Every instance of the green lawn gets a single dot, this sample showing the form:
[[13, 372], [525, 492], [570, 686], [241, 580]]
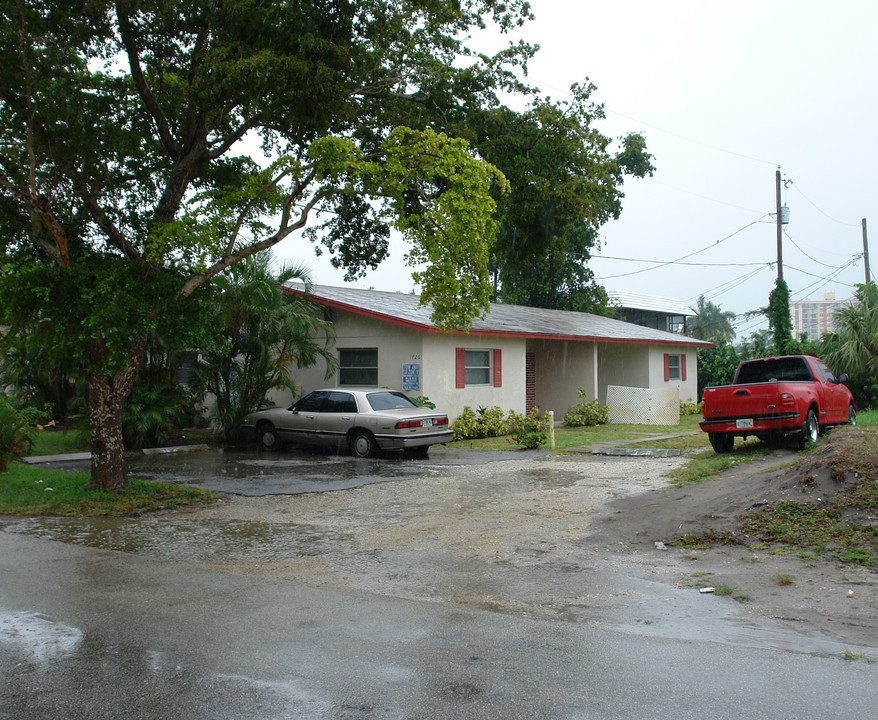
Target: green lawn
[[29, 490]]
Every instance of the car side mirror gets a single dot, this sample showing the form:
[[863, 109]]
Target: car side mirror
[[843, 378]]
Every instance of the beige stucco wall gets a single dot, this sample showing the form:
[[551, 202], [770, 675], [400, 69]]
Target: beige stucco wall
[[396, 345], [625, 364], [438, 373], [561, 368], [689, 387]]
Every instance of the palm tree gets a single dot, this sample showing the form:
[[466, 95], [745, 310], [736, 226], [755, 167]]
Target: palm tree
[[262, 334], [853, 347], [710, 322]]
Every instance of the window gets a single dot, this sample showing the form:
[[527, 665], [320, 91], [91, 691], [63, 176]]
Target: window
[[358, 366], [478, 367], [675, 367]]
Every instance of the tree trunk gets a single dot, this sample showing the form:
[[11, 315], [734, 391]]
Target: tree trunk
[[108, 468], [106, 397]]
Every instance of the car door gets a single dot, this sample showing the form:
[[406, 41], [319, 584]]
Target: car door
[[339, 417], [306, 418]]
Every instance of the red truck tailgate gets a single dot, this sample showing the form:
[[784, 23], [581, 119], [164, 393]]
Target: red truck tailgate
[[746, 406]]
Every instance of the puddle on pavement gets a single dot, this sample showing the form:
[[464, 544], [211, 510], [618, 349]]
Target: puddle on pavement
[[208, 541]]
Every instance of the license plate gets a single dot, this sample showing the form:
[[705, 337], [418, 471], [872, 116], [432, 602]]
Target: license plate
[[426, 423], [744, 424]]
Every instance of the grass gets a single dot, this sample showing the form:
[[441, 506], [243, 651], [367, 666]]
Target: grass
[[26, 490], [832, 527], [58, 442]]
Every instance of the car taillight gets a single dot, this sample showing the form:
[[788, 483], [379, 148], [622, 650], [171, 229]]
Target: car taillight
[[787, 399], [402, 424]]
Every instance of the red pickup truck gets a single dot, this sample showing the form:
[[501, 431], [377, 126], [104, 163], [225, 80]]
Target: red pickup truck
[[774, 396]]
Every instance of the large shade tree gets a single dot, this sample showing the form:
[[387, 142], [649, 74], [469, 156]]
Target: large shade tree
[[566, 182], [124, 186]]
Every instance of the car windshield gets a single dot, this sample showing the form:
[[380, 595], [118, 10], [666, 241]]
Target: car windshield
[[388, 400]]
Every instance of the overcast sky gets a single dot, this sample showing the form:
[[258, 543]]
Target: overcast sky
[[724, 94]]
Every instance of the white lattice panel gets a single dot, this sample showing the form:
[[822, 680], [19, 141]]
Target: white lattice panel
[[643, 406]]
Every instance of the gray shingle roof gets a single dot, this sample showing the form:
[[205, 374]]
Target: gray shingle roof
[[513, 320]]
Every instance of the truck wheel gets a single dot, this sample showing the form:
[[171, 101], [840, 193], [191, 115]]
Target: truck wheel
[[852, 415], [721, 442], [810, 430]]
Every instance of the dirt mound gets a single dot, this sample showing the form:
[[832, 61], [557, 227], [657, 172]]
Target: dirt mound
[[716, 507]]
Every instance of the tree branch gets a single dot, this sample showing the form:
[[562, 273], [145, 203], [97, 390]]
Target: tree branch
[[173, 148], [284, 229]]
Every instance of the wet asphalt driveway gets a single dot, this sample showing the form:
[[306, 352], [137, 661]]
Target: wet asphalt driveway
[[254, 473]]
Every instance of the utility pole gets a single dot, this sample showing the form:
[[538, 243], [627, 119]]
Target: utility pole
[[866, 251], [779, 227]]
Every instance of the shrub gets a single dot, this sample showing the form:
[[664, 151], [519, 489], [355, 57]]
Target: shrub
[[530, 431], [586, 413], [690, 408], [18, 431], [485, 422]]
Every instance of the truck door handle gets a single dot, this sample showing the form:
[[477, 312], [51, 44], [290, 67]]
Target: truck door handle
[[742, 392]]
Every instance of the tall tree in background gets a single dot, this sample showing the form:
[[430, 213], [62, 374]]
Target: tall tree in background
[[780, 322], [565, 184], [125, 188], [710, 322]]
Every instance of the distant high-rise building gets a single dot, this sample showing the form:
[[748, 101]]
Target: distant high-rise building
[[815, 317]]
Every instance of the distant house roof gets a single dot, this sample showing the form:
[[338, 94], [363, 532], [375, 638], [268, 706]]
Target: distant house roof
[[653, 303], [502, 320]]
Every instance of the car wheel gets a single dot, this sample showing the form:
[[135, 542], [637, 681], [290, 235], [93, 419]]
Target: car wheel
[[721, 442], [810, 430], [363, 444], [268, 437], [852, 415]]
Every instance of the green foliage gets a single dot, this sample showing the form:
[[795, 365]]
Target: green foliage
[[688, 407], [585, 414], [151, 413], [531, 431], [39, 380], [710, 323], [17, 431], [717, 364], [486, 422], [422, 401], [260, 334], [780, 321], [853, 347], [565, 184]]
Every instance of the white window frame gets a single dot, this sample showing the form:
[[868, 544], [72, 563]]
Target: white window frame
[[487, 369]]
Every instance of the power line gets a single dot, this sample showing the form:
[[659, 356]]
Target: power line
[[812, 259], [677, 261], [816, 207]]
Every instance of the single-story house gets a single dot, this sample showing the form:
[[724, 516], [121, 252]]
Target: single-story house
[[515, 357]]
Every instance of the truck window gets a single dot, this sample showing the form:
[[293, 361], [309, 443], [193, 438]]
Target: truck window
[[788, 369]]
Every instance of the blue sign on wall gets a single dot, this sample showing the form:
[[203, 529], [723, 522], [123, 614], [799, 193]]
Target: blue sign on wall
[[411, 376]]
